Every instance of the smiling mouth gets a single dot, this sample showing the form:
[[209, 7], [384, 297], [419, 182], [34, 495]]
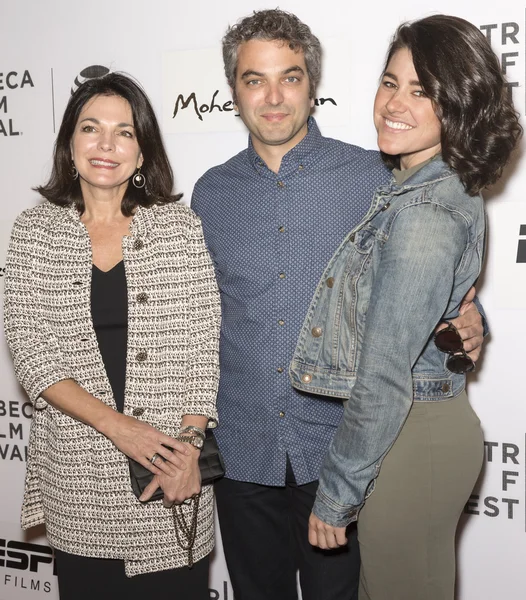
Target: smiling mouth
[[398, 125], [274, 116], [103, 163]]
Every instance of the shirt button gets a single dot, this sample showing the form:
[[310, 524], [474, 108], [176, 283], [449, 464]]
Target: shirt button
[[141, 356], [281, 229], [281, 413], [281, 184], [317, 331], [300, 168], [330, 282], [282, 275], [279, 369], [306, 378], [281, 322], [137, 412], [142, 297], [445, 388], [138, 244]]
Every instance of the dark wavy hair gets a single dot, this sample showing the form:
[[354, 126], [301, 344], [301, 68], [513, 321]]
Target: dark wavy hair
[[460, 73], [278, 25], [63, 190]]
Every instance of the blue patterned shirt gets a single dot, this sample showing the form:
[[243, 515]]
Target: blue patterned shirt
[[270, 236]]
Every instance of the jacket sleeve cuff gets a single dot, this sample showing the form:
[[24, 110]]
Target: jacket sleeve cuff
[[485, 325], [333, 514]]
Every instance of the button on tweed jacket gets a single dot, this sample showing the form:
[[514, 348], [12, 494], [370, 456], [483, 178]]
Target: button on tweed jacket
[[77, 482]]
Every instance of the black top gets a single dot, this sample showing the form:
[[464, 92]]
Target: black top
[[109, 311]]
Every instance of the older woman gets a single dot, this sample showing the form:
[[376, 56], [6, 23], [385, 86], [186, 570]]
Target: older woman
[[112, 316], [409, 448]]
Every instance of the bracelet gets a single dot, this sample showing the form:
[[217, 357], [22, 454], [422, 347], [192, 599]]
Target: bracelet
[[192, 429]]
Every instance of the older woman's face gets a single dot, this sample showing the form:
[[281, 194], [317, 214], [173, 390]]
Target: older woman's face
[[104, 146], [403, 115]]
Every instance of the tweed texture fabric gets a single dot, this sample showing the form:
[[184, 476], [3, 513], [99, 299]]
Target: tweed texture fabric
[[77, 482]]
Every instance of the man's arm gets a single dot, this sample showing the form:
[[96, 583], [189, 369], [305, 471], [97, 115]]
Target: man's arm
[[471, 324]]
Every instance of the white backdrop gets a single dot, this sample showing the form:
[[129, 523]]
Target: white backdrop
[[173, 49]]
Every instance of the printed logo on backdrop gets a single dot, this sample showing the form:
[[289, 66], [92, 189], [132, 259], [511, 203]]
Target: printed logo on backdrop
[[12, 84], [507, 39], [521, 247], [501, 497], [15, 418], [222, 594], [506, 264], [91, 72], [197, 99], [27, 566]]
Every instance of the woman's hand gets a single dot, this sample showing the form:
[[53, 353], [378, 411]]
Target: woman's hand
[[181, 485], [142, 442], [325, 536]]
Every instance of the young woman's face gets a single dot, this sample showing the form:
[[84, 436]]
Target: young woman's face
[[403, 115]]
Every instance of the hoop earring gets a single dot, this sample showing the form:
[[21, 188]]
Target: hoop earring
[[139, 180], [74, 172]]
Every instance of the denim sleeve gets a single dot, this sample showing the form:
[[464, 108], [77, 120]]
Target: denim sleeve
[[411, 289], [482, 312]]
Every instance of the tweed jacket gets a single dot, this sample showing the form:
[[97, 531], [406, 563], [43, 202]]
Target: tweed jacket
[[77, 482]]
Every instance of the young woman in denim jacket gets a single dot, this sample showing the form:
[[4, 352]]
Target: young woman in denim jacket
[[446, 125]]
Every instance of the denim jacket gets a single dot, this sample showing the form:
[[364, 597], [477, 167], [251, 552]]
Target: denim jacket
[[368, 333]]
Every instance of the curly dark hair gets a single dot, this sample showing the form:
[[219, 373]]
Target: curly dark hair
[[460, 73], [63, 190], [276, 25]]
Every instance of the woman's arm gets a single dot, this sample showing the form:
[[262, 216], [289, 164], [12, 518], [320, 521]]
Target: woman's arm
[[37, 358], [202, 369], [135, 438], [204, 314], [411, 290]]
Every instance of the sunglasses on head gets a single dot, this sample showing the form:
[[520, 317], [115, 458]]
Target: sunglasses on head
[[448, 340]]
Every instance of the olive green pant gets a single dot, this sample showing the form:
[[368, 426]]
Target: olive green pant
[[407, 527]]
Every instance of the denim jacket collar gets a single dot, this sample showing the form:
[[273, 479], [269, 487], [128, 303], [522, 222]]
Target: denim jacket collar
[[433, 172]]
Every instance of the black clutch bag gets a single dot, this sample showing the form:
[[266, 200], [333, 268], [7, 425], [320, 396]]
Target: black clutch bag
[[211, 466]]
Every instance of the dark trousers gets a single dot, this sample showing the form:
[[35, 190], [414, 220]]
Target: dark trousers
[[83, 578], [265, 538]]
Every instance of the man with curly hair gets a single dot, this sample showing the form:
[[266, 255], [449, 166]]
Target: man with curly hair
[[273, 216]]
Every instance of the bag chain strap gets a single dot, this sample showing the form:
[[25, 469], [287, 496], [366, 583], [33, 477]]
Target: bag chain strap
[[183, 530]]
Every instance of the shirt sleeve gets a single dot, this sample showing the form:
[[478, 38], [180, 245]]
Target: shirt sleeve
[[410, 292], [36, 353]]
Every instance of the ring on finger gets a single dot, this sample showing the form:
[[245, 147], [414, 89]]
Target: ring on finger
[[154, 458]]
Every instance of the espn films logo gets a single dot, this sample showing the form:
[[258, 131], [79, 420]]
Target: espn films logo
[[26, 560]]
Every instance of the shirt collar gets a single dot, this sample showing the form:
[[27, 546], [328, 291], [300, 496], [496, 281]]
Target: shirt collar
[[301, 154]]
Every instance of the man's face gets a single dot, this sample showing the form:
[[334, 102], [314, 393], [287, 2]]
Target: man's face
[[272, 93]]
